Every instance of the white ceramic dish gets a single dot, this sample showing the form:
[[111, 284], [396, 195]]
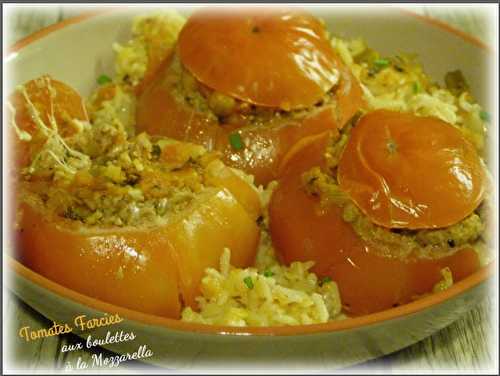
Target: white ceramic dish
[[79, 50]]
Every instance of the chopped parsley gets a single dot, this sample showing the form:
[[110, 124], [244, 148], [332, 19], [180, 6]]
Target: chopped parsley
[[381, 63], [416, 87], [485, 116], [324, 280], [103, 79], [268, 273], [236, 141], [248, 281]]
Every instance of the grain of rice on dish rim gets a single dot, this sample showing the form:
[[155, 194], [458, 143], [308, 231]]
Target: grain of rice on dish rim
[[270, 293]]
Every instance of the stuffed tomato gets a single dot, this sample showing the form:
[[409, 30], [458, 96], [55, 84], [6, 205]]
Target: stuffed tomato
[[360, 206], [250, 85], [132, 221]]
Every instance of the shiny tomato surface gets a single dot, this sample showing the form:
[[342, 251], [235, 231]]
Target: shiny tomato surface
[[406, 171], [154, 268], [159, 112], [302, 229], [224, 54], [277, 57], [51, 99]]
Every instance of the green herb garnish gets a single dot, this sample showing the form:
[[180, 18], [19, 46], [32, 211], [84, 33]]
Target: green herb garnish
[[381, 63], [325, 280], [485, 116], [236, 141], [268, 273], [103, 79], [416, 87], [248, 281]]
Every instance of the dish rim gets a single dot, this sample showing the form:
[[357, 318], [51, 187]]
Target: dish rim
[[475, 279]]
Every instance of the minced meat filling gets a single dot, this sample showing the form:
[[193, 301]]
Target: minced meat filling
[[323, 184], [101, 176], [222, 108], [137, 185], [463, 233]]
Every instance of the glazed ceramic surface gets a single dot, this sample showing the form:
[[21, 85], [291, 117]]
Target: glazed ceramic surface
[[320, 351], [78, 52]]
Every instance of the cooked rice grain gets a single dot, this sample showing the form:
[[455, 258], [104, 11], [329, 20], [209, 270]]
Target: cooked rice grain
[[132, 57], [279, 295]]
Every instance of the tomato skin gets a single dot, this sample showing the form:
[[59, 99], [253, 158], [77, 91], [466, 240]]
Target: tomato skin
[[265, 146], [405, 171], [156, 269], [160, 113], [278, 58], [142, 269], [218, 174], [198, 241], [127, 268], [302, 230], [66, 104]]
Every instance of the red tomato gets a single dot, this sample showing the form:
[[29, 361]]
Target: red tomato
[[264, 146], [303, 230], [280, 58], [150, 269], [405, 171], [48, 96], [277, 58]]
